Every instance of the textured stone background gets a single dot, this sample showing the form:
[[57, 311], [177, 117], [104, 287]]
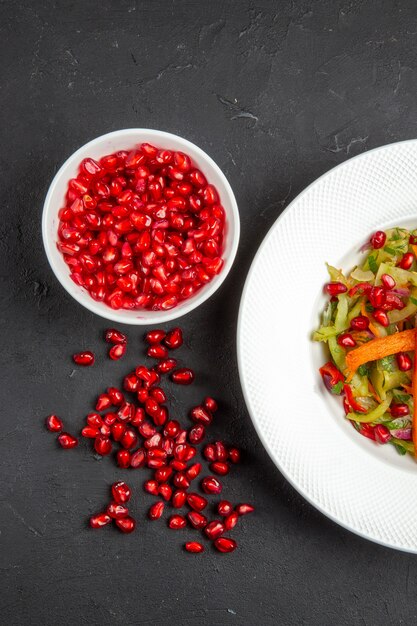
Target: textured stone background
[[277, 93]]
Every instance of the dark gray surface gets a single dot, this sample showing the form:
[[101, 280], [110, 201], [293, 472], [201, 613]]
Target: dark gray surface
[[277, 93]]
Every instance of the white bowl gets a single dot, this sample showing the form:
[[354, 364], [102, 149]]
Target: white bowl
[[125, 140]]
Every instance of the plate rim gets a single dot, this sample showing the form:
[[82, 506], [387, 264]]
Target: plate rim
[[251, 411]]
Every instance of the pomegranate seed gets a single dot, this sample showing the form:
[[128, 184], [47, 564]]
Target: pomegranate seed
[[147, 430], [361, 322], [174, 339], [152, 487], [116, 510], [120, 492], [138, 458], [103, 402], [181, 437], [117, 351], [158, 394], [193, 471], [84, 358], [382, 434], [388, 281], [157, 352], [196, 502], [115, 336], [346, 340], [54, 423], [165, 491], [378, 239], [194, 547], [67, 441], [115, 396], [335, 289], [142, 395], [244, 509], [224, 508], [176, 522], [129, 439], [172, 428], [181, 481], [407, 261], [221, 452], [109, 420], [155, 336], [231, 520], [163, 474], [156, 511], [89, 432], [214, 529], [182, 376], [377, 296], [100, 520], [220, 468], [178, 466], [210, 484], [399, 410], [210, 452], [197, 520], [201, 415], [178, 499], [126, 524], [381, 317], [131, 383], [94, 420], [167, 365], [210, 404], [102, 445], [404, 362], [196, 434], [223, 544]]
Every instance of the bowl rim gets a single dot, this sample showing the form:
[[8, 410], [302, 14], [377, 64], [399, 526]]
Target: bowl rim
[[120, 315]]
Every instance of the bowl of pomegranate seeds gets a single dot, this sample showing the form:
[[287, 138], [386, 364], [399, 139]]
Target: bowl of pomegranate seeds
[[140, 226]]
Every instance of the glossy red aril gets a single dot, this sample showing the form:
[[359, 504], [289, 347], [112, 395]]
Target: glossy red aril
[[399, 410], [117, 351], [223, 544], [196, 434], [166, 365], [115, 395], [138, 458], [377, 296], [178, 499], [378, 239], [114, 336], [209, 452], [172, 428], [129, 439], [244, 509], [197, 520], [117, 510], [360, 322], [382, 434], [183, 376], [194, 547], [210, 484], [201, 415], [214, 529], [335, 288], [407, 261], [346, 340], [67, 441], [388, 281], [54, 423], [404, 362], [126, 524], [210, 404], [156, 511], [120, 492], [100, 520], [165, 490], [103, 402], [181, 481], [224, 508], [196, 502], [220, 468], [84, 358], [381, 317], [154, 336], [152, 487], [157, 351], [102, 445], [177, 522], [90, 432], [193, 471], [231, 520], [174, 338]]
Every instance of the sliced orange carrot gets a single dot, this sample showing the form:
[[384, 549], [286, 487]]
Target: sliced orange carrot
[[378, 348], [414, 427], [407, 389], [414, 249], [372, 327]]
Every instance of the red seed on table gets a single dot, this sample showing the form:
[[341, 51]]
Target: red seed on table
[[223, 544], [178, 498], [194, 547], [209, 452], [108, 420], [234, 455], [220, 468], [196, 434], [90, 432], [117, 431], [221, 452], [224, 508], [94, 420], [102, 445], [404, 362], [174, 339], [197, 520], [126, 524], [335, 288], [210, 404], [166, 365], [193, 471], [178, 466], [151, 486], [200, 414], [165, 490], [115, 395], [382, 434], [378, 239], [129, 439], [67, 441], [138, 458], [120, 492], [154, 336], [210, 484], [116, 510], [114, 336], [100, 520], [177, 522], [126, 412], [103, 402], [244, 509], [158, 394], [181, 481], [214, 529], [162, 474], [117, 351], [84, 358], [157, 352], [196, 502], [172, 428], [182, 376], [156, 511], [54, 423]]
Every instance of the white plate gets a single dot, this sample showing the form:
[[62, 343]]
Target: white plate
[[365, 487]]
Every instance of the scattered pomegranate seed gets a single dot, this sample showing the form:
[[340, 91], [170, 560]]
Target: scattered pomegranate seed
[[154, 336], [388, 281], [182, 376], [335, 289], [174, 339], [167, 365], [84, 358], [196, 434], [224, 508], [103, 402], [162, 474], [156, 510], [193, 471], [117, 351], [126, 524], [115, 336], [209, 452], [178, 499], [346, 340], [381, 317], [361, 322], [100, 520], [152, 487], [244, 509], [231, 520], [382, 434], [197, 520], [210, 484], [90, 432], [116, 510], [200, 414], [210, 404], [115, 396], [157, 352], [214, 529], [196, 502], [377, 296], [120, 492], [399, 410], [67, 441], [165, 490], [138, 458], [54, 423], [176, 522], [223, 544], [220, 468], [404, 362], [378, 239], [407, 261], [194, 547], [102, 445]]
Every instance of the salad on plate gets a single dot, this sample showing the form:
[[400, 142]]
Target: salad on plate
[[369, 326]]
